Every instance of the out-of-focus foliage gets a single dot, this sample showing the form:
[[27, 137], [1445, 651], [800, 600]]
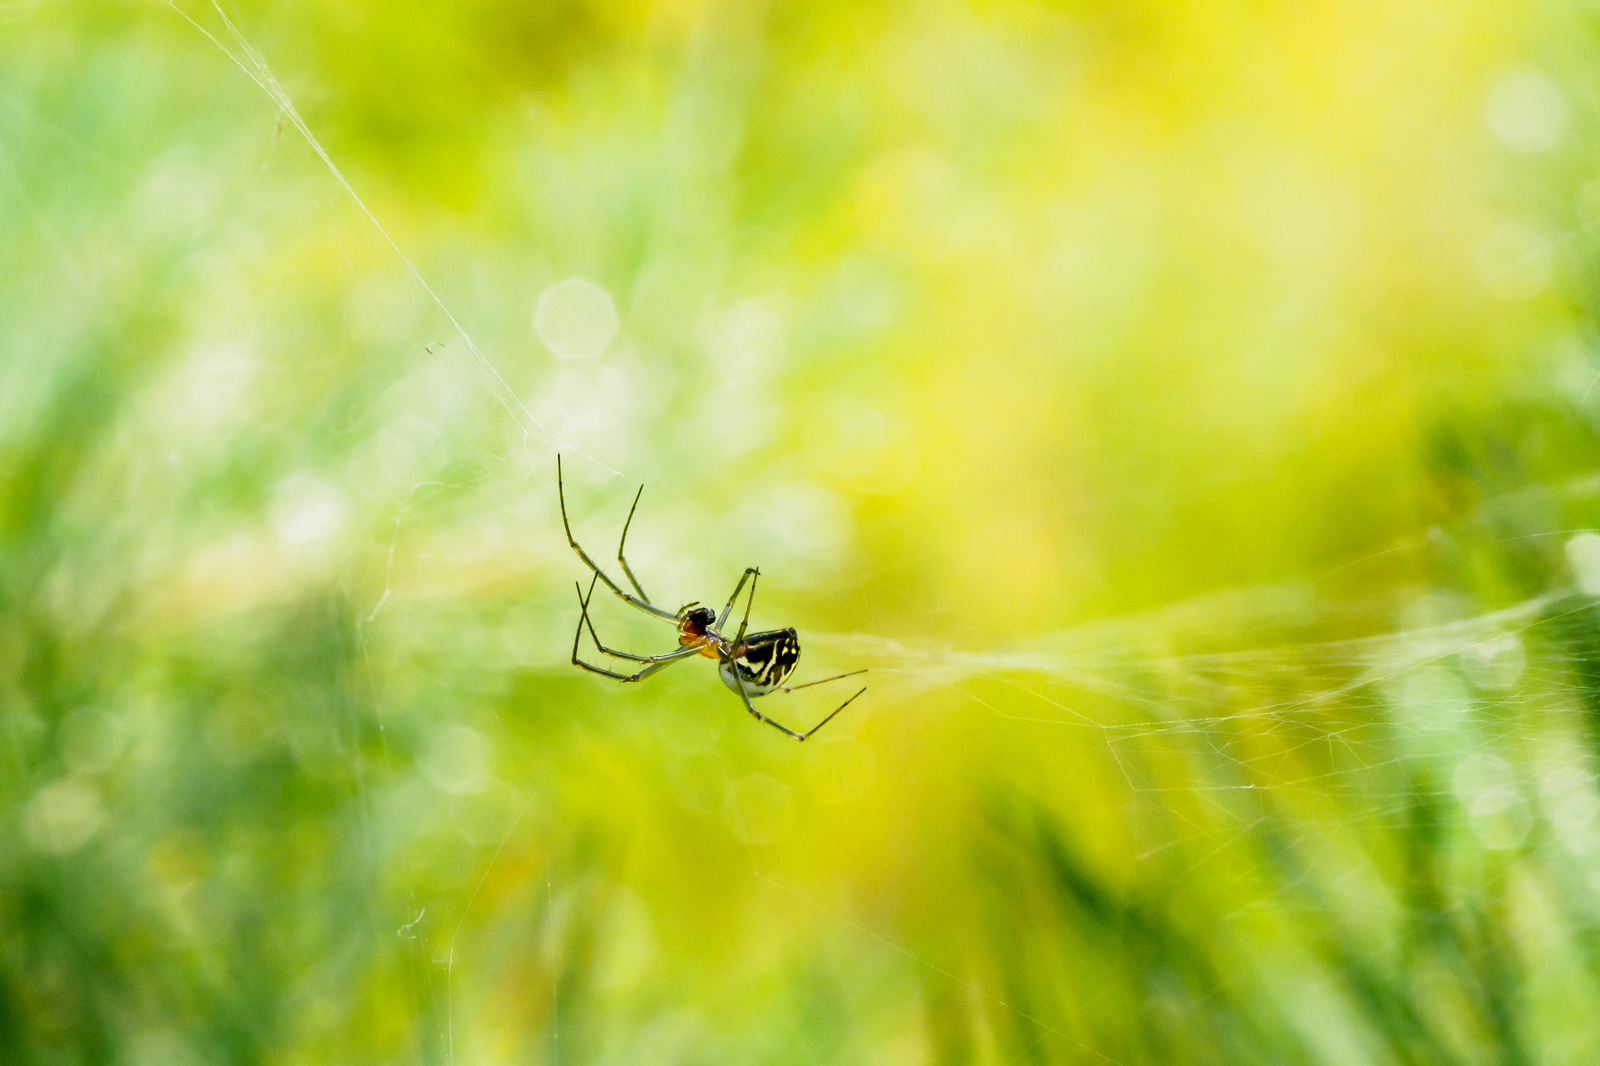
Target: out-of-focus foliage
[[1187, 411]]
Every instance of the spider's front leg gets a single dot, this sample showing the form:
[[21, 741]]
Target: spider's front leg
[[652, 663], [751, 574], [641, 601], [626, 569]]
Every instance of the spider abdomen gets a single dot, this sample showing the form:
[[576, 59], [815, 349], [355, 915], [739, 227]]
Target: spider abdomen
[[750, 665], [764, 662]]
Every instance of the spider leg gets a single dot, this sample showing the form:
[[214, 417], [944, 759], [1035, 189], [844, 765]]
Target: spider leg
[[653, 663], [753, 574], [749, 602], [640, 676], [745, 696], [634, 601], [836, 710], [824, 681], [626, 569], [726, 611], [586, 621]]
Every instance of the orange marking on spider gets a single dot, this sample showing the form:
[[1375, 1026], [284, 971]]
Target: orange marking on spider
[[751, 665]]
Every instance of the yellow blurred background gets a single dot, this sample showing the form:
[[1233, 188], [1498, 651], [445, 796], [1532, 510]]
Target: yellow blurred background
[[1186, 412]]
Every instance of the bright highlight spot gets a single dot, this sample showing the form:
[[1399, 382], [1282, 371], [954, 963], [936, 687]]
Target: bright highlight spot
[[1570, 799], [307, 509], [747, 338], [1495, 664], [1486, 786], [1583, 555], [486, 816], [575, 318], [1527, 111], [458, 761], [61, 817], [177, 196], [212, 384]]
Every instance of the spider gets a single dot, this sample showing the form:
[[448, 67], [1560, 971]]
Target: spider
[[751, 665]]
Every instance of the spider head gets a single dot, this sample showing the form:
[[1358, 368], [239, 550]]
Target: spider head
[[694, 621]]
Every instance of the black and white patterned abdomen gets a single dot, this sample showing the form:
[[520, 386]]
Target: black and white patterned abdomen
[[768, 660]]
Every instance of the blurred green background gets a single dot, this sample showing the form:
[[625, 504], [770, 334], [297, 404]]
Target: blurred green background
[[1189, 413]]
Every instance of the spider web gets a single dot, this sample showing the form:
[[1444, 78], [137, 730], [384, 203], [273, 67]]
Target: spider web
[[1396, 831]]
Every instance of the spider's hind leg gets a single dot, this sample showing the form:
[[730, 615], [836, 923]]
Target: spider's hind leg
[[836, 710], [745, 696], [824, 681]]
